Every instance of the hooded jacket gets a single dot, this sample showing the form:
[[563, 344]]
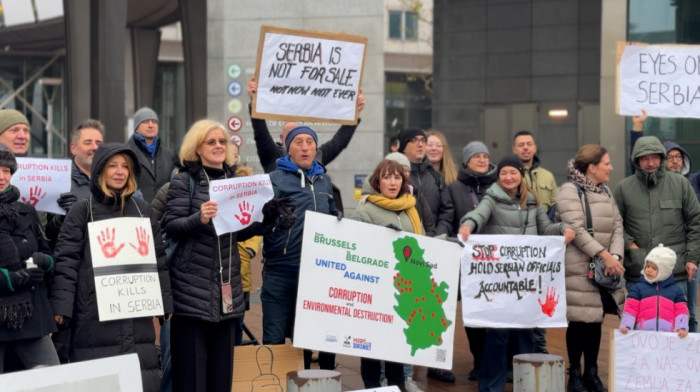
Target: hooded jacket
[[583, 299], [461, 191], [658, 207], [311, 190], [155, 171], [541, 182], [497, 213], [428, 184], [659, 306], [73, 289]]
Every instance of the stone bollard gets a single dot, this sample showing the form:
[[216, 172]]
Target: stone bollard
[[538, 373], [313, 380]]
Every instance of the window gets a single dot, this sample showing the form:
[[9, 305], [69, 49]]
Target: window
[[403, 25]]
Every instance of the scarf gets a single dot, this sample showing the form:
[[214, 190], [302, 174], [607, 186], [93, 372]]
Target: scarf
[[16, 306], [404, 202], [150, 148]]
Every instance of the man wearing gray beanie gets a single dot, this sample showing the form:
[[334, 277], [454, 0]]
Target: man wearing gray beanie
[[157, 162], [14, 131]]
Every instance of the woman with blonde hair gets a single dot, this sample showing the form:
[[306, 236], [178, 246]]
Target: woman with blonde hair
[[206, 269], [113, 184], [439, 155]]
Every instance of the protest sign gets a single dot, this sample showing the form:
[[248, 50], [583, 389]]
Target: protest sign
[[370, 291], [308, 75], [240, 201], [120, 373], [382, 389], [662, 79], [264, 367], [41, 181], [126, 277], [513, 281], [654, 361]]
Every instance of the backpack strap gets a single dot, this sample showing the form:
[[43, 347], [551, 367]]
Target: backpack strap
[[589, 218]]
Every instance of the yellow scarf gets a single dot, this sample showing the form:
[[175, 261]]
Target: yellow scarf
[[404, 202]]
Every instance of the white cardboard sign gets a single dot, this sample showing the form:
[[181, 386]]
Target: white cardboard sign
[[513, 281], [240, 201], [126, 272], [41, 181], [370, 291]]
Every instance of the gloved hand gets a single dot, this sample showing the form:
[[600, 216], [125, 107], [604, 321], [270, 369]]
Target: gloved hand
[[66, 200], [339, 215], [282, 207], [43, 261], [286, 223], [393, 226], [19, 278], [36, 275]]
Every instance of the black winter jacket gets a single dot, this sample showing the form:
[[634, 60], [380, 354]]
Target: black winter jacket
[[461, 191], [428, 184], [155, 172], [196, 282], [73, 290]]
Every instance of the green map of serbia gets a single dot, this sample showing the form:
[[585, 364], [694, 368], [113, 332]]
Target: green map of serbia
[[419, 297]]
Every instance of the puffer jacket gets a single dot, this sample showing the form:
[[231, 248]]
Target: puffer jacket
[[429, 185], [194, 273], [312, 191], [583, 299], [497, 213], [73, 289], [461, 191], [541, 182], [658, 306], [155, 171], [658, 208], [371, 213]]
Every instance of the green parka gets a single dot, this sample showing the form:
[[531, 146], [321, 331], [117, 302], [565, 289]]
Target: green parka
[[658, 208]]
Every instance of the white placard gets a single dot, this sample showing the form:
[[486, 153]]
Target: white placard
[[114, 374], [126, 272], [513, 281], [655, 361], [308, 75], [392, 388], [240, 201], [662, 79], [370, 291], [41, 181]]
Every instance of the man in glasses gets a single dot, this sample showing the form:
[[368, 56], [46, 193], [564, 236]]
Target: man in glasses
[[157, 162]]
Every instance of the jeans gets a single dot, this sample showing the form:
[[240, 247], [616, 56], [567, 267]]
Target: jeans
[[494, 363], [32, 352], [166, 380]]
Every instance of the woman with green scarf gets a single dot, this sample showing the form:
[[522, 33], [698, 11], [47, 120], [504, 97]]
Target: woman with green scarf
[[387, 201]]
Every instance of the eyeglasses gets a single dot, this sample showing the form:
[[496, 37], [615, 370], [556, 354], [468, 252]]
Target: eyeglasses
[[480, 155], [213, 142], [674, 157], [417, 139], [436, 145]]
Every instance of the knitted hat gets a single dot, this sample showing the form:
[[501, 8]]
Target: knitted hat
[[296, 131], [7, 158], [406, 135], [472, 149], [142, 115], [513, 161], [664, 259], [399, 158], [10, 117]]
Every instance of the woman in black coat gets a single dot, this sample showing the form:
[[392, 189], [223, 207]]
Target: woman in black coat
[[206, 269], [26, 320], [113, 183]]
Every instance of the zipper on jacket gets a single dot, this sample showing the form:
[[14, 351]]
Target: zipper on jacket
[[399, 219], [313, 194], [289, 235], [657, 306]]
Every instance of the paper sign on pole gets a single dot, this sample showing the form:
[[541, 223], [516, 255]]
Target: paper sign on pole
[[308, 75], [41, 181], [126, 272], [513, 281], [369, 291], [654, 361], [240, 201], [662, 79]]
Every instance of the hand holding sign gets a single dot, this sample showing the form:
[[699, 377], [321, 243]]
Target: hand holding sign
[[246, 210], [34, 196], [106, 241], [143, 240], [550, 302]]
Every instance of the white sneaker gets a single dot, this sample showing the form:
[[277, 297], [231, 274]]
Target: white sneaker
[[412, 386]]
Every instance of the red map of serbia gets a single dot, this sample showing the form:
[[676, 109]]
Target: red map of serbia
[[419, 297]]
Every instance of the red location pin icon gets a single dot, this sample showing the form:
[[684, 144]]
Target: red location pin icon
[[406, 252]]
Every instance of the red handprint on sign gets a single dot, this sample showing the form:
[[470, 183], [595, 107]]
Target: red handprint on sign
[[246, 211], [550, 302], [34, 196], [106, 241], [143, 239]]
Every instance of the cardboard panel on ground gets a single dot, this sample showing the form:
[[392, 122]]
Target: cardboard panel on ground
[[264, 367]]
